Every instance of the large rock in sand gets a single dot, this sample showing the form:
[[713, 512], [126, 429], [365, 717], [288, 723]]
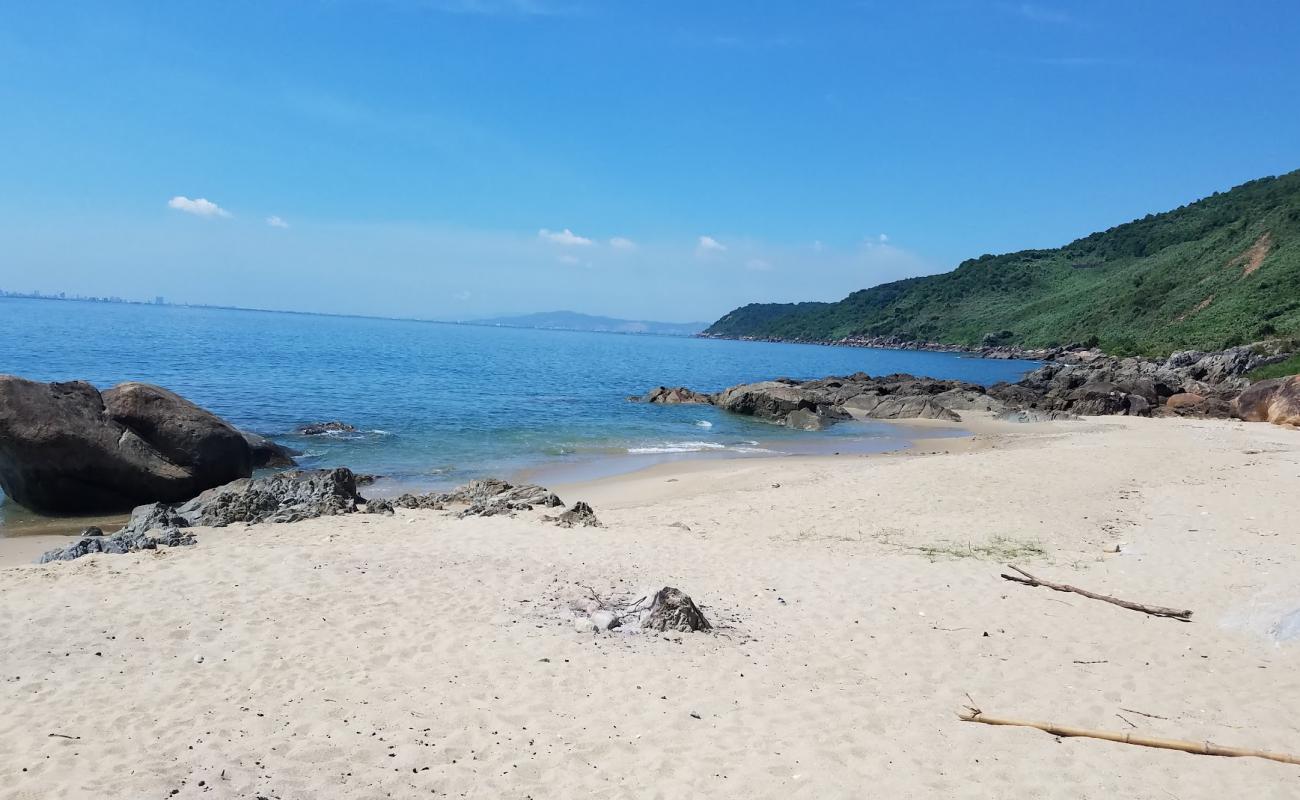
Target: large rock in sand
[[61, 452], [1276, 400], [674, 610], [210, 448]]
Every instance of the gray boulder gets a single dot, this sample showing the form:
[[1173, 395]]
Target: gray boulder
[[283, 497]]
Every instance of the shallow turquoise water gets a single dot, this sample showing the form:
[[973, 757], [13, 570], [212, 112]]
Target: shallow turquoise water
[[436, 403]]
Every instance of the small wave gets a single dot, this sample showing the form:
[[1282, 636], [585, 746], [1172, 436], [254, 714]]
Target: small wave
[[754, 450], [703, 423], [379, 432], [676, 447]]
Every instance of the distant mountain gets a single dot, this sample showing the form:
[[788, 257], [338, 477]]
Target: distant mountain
[[1215, 273], [573, 321]]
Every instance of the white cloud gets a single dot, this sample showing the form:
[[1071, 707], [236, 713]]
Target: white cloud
[[883, 238], [568, 259], [758, 265], [199, 207], [817, 246], [620, 243], [565, 237], [707, 244], [276, 222]]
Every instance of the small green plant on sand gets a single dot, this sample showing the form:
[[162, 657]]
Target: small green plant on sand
[[998, 548]]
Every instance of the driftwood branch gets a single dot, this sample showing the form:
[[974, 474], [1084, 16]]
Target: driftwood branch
[[1155, 611], [1198, 748]]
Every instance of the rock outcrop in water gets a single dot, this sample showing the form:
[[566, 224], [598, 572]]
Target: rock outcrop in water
[[1078, 383], [322, 428], [66, 448], [813, 405]]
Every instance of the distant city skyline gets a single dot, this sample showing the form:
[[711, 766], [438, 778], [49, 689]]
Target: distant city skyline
[[669, 161]]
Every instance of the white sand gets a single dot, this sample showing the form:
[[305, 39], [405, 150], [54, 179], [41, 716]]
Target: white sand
[[403, 657]]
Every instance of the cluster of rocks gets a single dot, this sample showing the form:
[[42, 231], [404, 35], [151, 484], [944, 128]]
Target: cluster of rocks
[[813, 405], [1188, 383], [93, 540], [1078, 383], [67, 448], [490, 497], [668, 609], [306, 494], [284, 497]]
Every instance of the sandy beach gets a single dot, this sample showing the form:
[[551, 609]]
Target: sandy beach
[[857, 601]]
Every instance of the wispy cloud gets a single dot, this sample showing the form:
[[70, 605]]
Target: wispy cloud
[[568, 259], [199, 207], [621, 243], [493, 8], [1039, 13], [276, 222], [758, 265], [735, 41], [707, 245], [565, 237]]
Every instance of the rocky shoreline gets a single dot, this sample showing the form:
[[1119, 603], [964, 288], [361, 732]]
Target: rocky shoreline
[[1079, 383]]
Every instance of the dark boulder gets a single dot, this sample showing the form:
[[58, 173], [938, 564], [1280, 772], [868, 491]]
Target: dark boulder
[[210, 448], [674, 610], [61, 453], [580, 515]]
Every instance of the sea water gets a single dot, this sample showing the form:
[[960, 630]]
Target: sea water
[[437, 403]]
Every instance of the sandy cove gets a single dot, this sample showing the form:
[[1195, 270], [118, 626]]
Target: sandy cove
[[858, 603]]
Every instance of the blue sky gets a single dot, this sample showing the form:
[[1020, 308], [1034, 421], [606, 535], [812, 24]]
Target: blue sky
[[670, 160]]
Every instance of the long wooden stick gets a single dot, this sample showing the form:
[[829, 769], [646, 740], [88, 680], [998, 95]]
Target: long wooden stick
[[1156, 611], [1199, 748]]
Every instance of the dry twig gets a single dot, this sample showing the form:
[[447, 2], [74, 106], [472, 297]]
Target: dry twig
[[1182, 615], [973, 714]]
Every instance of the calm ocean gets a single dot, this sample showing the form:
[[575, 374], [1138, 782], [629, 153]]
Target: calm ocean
[[436, 403]]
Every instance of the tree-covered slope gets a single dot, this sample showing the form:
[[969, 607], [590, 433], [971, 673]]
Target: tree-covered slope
[[1218, 272]]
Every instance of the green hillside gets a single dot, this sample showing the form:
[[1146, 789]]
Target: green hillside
[[1222, 271]]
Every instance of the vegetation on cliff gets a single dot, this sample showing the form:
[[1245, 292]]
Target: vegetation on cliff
[[1218, 272]]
